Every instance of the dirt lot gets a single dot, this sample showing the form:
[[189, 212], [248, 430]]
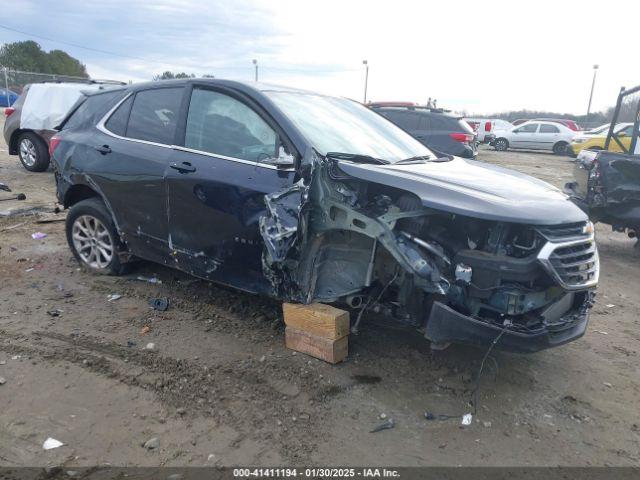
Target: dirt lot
[[220, 388]]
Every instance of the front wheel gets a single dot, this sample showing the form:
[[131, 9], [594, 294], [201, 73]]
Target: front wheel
[[560, 148], [93, 239], [501, 144], [33, 152]]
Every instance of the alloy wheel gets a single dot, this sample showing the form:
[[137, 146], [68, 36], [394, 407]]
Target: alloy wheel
[[92, 241], [28, 152]]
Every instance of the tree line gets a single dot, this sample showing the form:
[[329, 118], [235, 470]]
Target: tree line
[[28, 56]]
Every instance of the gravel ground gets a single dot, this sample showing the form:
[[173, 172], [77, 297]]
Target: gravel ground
[[219, 388]]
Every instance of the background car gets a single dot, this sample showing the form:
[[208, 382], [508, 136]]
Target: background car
[[567, 123], [433, 127], [535, 135], [597, 141], [485, 127], [31, 120], [7, 97]]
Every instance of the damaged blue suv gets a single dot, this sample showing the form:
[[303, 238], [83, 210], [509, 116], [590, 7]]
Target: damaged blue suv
[[313, 198]]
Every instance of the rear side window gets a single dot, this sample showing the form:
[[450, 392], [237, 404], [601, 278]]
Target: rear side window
[[117, 122], [92, 109], [154, 114], [549, 129], [405, 120], [442, 122]]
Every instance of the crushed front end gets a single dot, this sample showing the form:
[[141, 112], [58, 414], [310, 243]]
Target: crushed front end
[[458, 279]]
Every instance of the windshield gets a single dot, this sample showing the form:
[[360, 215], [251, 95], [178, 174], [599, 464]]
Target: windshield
[[334, 124]]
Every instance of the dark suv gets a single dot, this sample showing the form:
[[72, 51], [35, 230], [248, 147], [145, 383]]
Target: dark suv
[[312, 198], [435, 128]]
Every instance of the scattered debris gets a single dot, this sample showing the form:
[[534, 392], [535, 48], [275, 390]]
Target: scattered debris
[[146, 329], [161, 304], [211, 458], [607, 384], [181, 410], [466, 419], [20, 196], [131, 343], [149, 279], [3, 380], [150, 346], [601, 332], [38, 235], [50, 443], [55, 312], [486, 424], [152, 443], [17, 225], [610, 305], [383, 416], [389, 424], [113, 297]]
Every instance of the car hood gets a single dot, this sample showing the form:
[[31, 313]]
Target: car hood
[[474, 189]]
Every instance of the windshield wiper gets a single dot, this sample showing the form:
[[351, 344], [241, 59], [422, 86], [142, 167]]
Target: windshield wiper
[[356, 157], [422, 159], [416, 159]]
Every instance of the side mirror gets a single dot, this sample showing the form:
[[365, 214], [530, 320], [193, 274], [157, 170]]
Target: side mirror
[[284, 159]]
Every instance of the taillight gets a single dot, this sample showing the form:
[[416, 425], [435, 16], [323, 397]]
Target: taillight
[[53, 143], [487, 127], [462, 137], [8, 111]]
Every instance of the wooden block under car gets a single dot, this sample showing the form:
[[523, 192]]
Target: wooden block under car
[[317, 319], [332, 351]]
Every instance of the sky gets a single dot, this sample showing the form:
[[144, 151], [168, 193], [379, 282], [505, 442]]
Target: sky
[[479, 56]]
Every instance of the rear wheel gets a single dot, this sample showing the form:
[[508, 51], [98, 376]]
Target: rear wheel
[[93, 238], [33, 152], [501, 144], [560, 148]]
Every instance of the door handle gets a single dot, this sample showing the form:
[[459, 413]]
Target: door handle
[[103, 149], [184, 167]]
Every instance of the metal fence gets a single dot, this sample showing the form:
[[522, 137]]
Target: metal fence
[[12, 82]]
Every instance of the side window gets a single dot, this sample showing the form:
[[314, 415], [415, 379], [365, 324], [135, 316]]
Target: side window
[[626, 131], [528, 128], [405, 120], [92, 109], [117, 122], [425, 123], [154, 114], [549, 129], [439, 122], [220, 124]]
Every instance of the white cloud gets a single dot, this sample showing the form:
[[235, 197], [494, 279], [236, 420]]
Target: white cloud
[[479, 56]]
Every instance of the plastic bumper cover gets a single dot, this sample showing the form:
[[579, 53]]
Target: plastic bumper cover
[[445, 325]]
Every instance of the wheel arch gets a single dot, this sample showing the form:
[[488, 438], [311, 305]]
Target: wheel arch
[[78, 192], [15, 136]]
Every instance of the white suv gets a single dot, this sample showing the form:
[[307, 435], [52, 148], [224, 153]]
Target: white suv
[[535, 135]]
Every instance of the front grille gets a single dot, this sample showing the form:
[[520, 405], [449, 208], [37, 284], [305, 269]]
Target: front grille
[[565, 231], [576, 264]]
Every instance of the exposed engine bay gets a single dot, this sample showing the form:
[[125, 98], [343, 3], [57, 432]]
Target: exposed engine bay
[[334, 238]]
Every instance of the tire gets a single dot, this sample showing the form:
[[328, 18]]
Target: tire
[[93, 239], [501, 144], [33, 152], [560, 148]]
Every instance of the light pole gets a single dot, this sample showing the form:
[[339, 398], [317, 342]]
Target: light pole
[[255, 63], [593, 84], [366, 78]]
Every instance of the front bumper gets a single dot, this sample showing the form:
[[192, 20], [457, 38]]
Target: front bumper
[[446, 325]]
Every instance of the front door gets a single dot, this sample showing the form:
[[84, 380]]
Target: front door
[[524, 136], [216, 184]]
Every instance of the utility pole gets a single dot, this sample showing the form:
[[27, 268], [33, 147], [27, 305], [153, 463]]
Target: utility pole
[[255, 63], [593, 84], [366, 78]]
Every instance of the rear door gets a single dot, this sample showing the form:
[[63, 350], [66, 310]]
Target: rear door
[[548, 135], [216, 182], [133, 149]]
